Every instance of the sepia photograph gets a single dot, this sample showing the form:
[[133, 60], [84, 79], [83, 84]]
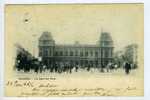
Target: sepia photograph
[[74, 50]]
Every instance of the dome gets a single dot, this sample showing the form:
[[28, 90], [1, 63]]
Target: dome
[[105, 36], [46, 36], [106, 40]]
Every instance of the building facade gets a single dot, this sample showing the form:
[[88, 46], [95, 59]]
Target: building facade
[[131, 54], [76, 54]]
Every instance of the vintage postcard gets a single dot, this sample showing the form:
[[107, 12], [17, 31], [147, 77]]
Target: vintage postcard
[[72, 50]]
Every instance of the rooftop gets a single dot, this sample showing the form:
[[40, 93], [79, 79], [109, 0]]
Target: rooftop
[[46, 36]]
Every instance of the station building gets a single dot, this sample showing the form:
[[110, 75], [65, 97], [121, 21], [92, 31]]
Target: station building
[[77, 54]]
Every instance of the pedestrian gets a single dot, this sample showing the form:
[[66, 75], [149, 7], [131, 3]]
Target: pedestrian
[[76, 67], [127, 68], [108, 66], [102, 68], [88, 67]]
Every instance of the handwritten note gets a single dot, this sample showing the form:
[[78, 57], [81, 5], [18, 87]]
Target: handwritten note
[[51, 88]]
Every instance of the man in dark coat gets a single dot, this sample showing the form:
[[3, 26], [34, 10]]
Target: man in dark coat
[[102, 68], [127, 68]]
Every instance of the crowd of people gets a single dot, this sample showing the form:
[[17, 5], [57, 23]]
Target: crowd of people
[[26, 62]]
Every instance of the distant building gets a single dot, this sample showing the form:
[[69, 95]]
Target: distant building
[[119, 58], [131, 54], [78, 54]]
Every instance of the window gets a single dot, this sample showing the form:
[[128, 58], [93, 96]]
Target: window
[[81, 54], [45, 52], [66, 53], [96, 54], [106, 53], [61, 53], [86, 53], [45, 42], [40, 52], [76, 53], [56, 53], [91, 53], [50, 52], [71, 53]]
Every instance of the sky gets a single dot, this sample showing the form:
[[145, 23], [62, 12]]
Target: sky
[[75, 22]]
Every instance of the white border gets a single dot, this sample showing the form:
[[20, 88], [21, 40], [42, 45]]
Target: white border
[[146, 46], [70, 1], [146, 50], [2, 47]]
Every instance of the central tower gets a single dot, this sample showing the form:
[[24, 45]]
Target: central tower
[[106, 44], [46, 48]]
